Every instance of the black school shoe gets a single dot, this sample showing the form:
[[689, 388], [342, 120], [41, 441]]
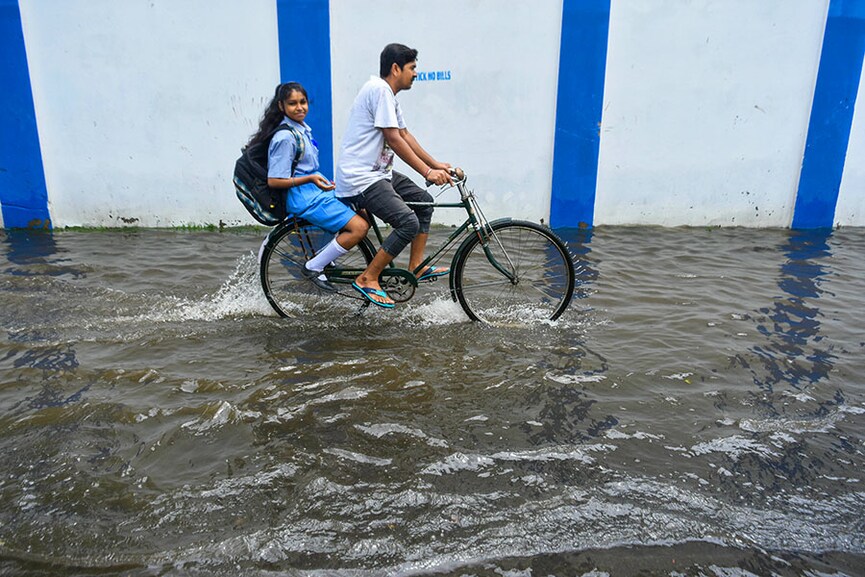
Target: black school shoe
[[313, 275]]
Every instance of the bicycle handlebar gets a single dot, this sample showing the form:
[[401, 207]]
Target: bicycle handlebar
[[457, 173]]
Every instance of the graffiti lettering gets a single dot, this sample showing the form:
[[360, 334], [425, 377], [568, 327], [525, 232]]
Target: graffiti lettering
[[434, 76]]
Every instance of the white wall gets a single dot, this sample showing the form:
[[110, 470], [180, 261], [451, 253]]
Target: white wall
[[850, 210], [495, 116], [706, 110], [142, 105]]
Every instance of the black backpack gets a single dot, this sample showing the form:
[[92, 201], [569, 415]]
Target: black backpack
[[265, 204]]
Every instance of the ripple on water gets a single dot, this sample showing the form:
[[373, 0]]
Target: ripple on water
[[698, 410]]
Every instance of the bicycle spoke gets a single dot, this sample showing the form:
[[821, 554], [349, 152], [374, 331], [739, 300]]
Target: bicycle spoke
[[524, 273], [287, 250], [541, 267]]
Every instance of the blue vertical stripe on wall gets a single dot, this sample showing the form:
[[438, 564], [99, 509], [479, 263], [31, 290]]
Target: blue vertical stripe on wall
[[304, 56], [831, 114], [579, 103], [23, 195]]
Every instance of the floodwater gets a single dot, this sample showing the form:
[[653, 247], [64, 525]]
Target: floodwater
[[698, 410]]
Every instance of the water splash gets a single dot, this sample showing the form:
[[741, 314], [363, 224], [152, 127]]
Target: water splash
[[239, 296]]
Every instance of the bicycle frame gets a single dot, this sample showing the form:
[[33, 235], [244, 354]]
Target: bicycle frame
[[495, 262], [474, 219]]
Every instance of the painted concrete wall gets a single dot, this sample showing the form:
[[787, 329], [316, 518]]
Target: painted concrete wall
[[142, 106], [491, 105], [851, 201], [706, 111], [591, 112]]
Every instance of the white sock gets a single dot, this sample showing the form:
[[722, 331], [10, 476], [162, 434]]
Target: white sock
[[325, 256]]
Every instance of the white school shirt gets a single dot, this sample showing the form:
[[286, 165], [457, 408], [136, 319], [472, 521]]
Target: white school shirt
[[364, 156]]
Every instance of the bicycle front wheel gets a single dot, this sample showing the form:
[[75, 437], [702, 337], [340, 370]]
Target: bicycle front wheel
[[286, 250], [522, 272]]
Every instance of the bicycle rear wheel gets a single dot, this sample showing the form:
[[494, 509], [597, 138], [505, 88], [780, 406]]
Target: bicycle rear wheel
[[285, 251], [536, 280]]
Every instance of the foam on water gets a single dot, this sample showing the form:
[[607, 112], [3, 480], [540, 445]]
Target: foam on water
[[440, 310], [240, 295], [734, 447]]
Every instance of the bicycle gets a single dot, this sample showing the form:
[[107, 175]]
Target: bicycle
[[501, 270]]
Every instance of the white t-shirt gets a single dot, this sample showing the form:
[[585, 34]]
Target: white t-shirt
[[364, 156]]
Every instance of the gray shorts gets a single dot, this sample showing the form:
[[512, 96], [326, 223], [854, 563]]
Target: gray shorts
[[386, 199]]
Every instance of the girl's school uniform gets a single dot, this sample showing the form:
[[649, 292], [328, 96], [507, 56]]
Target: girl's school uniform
[[306, 201]]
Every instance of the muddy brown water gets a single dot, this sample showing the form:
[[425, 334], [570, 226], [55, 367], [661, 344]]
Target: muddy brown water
[[698, 410]]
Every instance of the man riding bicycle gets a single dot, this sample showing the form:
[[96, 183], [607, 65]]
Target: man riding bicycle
[[365, 177]]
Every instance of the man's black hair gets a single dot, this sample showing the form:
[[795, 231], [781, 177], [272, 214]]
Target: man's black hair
[[398, 54]]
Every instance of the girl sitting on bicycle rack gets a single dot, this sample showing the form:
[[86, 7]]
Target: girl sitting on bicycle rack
[[310, 195]]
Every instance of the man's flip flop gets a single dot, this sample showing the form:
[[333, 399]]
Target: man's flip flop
[[367, 291], [433, 272]]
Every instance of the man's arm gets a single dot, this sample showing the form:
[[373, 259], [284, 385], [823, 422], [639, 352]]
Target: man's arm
[[407, 148], [422, 154]]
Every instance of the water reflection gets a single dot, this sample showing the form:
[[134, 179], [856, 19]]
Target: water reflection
[[794, 352], [797, 395], [566, 416], [34, 353], [579, 243], [24, 247], [232, 442]]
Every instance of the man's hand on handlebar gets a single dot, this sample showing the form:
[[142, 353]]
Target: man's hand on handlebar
[[439, 176]]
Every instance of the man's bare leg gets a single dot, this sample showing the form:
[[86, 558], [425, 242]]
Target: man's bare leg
[[369, 277], [418, 246]]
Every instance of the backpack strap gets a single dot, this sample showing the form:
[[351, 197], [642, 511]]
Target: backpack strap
[[300, 145]]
